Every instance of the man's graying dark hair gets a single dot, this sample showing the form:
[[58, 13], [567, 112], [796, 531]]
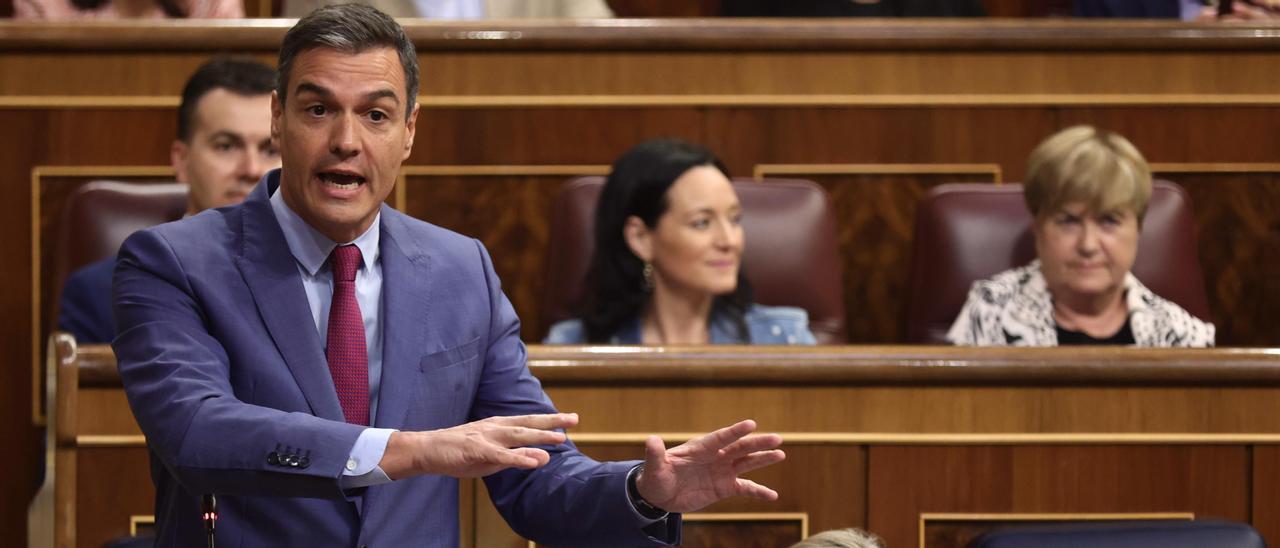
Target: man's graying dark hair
[[348, 28]]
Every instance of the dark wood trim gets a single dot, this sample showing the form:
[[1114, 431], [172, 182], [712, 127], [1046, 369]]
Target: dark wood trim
[[905, 365], [666, 35], [862, 365]]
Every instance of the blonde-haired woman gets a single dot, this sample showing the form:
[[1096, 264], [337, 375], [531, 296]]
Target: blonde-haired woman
[[841, 538], [1087, 191]]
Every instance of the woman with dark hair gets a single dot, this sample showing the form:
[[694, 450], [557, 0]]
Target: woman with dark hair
[[667, 267]]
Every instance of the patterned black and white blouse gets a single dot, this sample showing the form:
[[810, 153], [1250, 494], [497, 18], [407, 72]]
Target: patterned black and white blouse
[[1014, 308]]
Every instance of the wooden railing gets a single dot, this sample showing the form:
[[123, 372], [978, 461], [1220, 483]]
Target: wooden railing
[[922, 445]]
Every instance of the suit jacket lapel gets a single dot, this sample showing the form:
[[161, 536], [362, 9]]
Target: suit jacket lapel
[[271, 273], [406, 278]]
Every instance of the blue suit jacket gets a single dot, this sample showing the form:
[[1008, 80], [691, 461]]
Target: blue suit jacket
[[223, 368], [85, 307]]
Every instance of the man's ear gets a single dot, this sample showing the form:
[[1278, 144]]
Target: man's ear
[[178, 153], [277, 111], [639, 238], [412, 128]]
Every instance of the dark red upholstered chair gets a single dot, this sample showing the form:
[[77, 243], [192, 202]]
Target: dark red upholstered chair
[[791, 255], [99, 215], [968, 232]]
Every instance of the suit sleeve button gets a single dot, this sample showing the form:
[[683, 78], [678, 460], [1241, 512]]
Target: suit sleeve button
[[304, 462], [273, 458]]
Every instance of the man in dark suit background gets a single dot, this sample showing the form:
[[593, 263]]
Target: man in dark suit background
[[222, 149], [327, 366]]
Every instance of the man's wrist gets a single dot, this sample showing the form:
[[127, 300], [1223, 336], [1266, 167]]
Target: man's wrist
[[644, 507], [397, 461]]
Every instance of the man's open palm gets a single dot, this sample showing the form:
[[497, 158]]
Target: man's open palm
[[705, 470]]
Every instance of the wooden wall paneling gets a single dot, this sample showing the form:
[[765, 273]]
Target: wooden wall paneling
[[1265, 497], [467, 489], [259, 8], [1208, 481], [848, 72], [875, 222], [1186, 134], [1125, 427], [923, 409], [999, 135], [1237, 209], [107, 136], [515, 135], [746, 530], [152, 74], [725, 57], [25, 456], [113, 484], [508, 208], [832, 499], [105, 412]]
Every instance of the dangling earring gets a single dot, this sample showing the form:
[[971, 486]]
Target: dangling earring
[[648, 276]]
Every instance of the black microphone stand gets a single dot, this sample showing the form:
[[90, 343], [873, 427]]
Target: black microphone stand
[[209, 510]]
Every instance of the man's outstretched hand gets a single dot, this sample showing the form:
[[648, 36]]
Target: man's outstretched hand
[[476, 449], [705, 470]]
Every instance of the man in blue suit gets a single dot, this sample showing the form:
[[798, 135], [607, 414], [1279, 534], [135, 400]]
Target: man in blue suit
[[327, 366], [222, 149]]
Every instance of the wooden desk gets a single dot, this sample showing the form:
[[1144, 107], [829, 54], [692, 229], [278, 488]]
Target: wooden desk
[[918, 444]]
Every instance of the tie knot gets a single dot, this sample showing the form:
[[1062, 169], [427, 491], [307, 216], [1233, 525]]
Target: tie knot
[[345, 260]]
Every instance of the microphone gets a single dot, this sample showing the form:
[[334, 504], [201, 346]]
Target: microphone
[[209, 512]]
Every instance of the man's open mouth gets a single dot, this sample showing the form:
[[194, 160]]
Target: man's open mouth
[[344, 181]]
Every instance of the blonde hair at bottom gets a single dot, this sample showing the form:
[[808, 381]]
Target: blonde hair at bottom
[[841, 538]]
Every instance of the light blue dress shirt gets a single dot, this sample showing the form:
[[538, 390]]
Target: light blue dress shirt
[[311, 250]]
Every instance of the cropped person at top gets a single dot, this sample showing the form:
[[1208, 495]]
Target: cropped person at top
[[1087, 190], [667, 266]]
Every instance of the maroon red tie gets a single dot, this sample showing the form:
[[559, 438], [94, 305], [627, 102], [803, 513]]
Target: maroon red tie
[[346, 351]]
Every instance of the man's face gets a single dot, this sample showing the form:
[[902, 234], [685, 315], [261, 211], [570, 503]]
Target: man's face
[[229, 149], [342, 134]]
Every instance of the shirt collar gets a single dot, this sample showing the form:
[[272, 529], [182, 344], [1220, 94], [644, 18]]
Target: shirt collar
[[310, 247]]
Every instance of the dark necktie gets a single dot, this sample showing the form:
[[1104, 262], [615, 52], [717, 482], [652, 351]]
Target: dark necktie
[[346, 351]]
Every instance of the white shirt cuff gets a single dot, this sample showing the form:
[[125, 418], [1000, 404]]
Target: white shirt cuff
[[362, 468]]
